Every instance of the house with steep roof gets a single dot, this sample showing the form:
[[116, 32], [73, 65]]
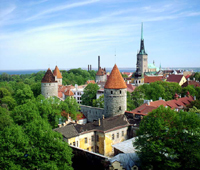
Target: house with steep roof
[[98, 136], [176, 78], [151, 79]]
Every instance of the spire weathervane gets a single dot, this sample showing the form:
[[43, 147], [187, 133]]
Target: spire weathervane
[[142, 31]]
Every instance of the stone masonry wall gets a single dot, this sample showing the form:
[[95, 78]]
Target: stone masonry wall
[[49, 89], [115, 101], [101, 78], [92, 113]]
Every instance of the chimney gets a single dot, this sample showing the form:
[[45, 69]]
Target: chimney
[[98, 62], [99, 122], [176, 96], [195, 98], [188, 94], [90, 67], [194, 78], [188, 79], [160, 98], [148, 102]]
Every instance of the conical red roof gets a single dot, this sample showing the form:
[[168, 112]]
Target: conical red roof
[[57, 73], [48, 77], [115, 80]]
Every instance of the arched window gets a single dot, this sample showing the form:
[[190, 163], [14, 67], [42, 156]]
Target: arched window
[[111, 92]]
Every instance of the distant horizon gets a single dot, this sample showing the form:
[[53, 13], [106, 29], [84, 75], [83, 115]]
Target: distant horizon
[[74, 33]]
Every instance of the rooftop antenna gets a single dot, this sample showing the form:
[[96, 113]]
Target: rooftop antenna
[[142, 31], [115, 56]]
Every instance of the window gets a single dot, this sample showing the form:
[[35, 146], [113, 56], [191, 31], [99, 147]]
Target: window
[[92, 148], [85, 140], [122, 133], [70, 143], [97, 149], [97, 138], [77, 143], [111, 92], [113, 136], [117, 135], [120, 108], [73, 143], [88, 149], [92, 137], [120, 92]]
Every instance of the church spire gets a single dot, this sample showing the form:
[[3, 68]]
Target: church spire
[[142, 50]]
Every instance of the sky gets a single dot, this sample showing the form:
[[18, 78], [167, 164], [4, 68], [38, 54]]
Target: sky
[[38, 34]]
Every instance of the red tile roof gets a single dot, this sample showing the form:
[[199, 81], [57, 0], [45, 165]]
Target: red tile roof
[[150, 79], [60, 94], [115, 80], [57, 73], [69, 93], [130, 88], [90, 81], [48, 77], [174, 78], [173, 104], [101, 72], [191, 82]]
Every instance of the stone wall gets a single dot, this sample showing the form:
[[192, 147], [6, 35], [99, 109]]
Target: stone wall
[[115, 102], [84, 159], [92, 113], [101, 78], [49, 89]]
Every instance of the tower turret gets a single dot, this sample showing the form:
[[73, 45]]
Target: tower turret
[[58, 75], [49, 86], [115, 94]]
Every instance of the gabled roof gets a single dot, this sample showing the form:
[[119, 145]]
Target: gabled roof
[[115, 80], [151, 79], [69, 93], [67, 131], [130, 88], [174, 78], [191, 82], [173, 104], [57, 73], [48, 77], [90, 81]]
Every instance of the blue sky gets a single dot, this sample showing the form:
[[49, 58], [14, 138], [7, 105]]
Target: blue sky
[[37, 34]]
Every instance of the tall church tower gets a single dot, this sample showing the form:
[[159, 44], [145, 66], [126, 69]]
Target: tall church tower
[[115, 94], [142, 63]]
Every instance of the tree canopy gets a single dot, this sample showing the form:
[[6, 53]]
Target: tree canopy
[[89, 95], [168, 139]]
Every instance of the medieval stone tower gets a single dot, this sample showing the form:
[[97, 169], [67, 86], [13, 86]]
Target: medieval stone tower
[[101, 73], [115, 94], [58, 75], [142, 63], [49, 86]]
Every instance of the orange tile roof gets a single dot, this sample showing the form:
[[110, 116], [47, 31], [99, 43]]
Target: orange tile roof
[[90, 81], [57, 73], [69, 93], [48, 77], [150, 79], [101, 72], [115, 80], [173, 104], [60, 94]]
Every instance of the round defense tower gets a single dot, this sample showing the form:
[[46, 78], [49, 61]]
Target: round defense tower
[[49, 86], [115, 94], [101, 75]]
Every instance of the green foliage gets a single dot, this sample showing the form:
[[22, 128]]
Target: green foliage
[[98, 102], [31, 143], [4, 92], [124, 75], [195, 103], [36, 88], [89, 95], [49, 109], [70, 106], [11, 103], [169, 139], [134, 99], [190, 89], [24, 95], [196, 75]]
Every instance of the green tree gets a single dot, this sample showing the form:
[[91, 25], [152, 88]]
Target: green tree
[[191, 89], [5, 119], [36, 88], [89, 95], [24, 95], [49, 109], [11, 103], [169, 140], [70, 106], [4, 92], [99, 102]]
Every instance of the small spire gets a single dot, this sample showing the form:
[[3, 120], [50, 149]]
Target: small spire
[[142, 31]]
